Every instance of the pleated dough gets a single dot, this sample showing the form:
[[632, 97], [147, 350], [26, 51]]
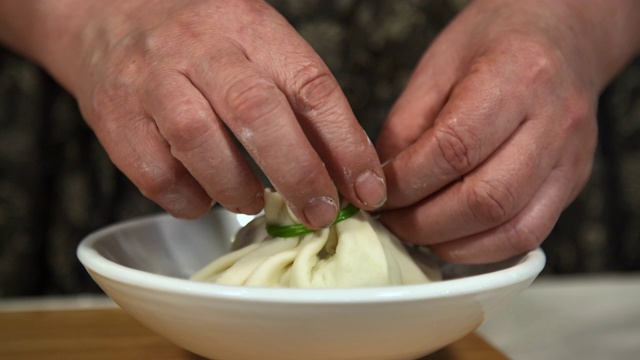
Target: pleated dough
[[356, 252]]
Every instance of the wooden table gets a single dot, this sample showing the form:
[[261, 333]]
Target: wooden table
[[73, 334]]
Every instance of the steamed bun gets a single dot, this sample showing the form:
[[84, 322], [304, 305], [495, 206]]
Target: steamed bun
[[355, 252]]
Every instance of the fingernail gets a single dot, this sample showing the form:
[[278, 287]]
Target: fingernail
[[321, 212], [370, 189], [254, 207]]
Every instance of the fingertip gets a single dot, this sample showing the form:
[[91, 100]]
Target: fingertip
[[186, 204], [320, 212], [254, 206], [484, 248], [371, 190], [455, 254]]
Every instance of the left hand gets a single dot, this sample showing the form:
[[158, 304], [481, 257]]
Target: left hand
[[495, 132]]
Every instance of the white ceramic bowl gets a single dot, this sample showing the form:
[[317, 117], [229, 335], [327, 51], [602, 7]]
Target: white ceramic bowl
[[144, 264]]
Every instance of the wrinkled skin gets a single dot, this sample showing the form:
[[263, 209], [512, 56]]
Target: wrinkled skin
[[493, 136], [165, 84], [495, 133], [246, 70]]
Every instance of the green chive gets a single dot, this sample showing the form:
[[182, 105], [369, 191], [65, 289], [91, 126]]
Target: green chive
[[299, 229]]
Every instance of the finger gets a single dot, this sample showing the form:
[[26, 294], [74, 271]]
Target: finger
[[258, 113], [524, 232], [136, 147], [487, 197], [425, 94], [324, 115], [337, 137], [476, 120], [202, 144]]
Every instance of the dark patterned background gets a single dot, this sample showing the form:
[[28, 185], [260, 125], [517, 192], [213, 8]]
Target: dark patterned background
[[57, 184]]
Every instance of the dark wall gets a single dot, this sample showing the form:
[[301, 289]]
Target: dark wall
[[57, 184]]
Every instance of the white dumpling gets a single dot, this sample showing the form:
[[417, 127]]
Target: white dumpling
[[355, 252]]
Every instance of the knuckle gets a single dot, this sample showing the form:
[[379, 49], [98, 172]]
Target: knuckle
[[186, 127], [310, 175], [523, 239], [491, 203], [103, 110], [171, 186], [251, 98], [527, 58], [303, 174], [483, 65], [313, 86], [306, 174], [101, 101], [457, 147], [154, 183], [535, 55], [540, 61], [579, 113], [114, 95]]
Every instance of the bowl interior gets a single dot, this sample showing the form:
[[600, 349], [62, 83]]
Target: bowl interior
[[163, 246], [167, 246]]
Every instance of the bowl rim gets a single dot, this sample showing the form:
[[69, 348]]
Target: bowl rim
[[525, 269]]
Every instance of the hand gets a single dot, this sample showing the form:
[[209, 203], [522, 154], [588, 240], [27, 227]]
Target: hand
[[163, 84], [495, 132]]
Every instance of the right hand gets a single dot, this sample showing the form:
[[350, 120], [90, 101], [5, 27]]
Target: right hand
[[163, 84], [495, 132]]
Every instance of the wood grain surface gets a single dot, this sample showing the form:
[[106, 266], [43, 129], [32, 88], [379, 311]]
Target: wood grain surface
[[113, 334]]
